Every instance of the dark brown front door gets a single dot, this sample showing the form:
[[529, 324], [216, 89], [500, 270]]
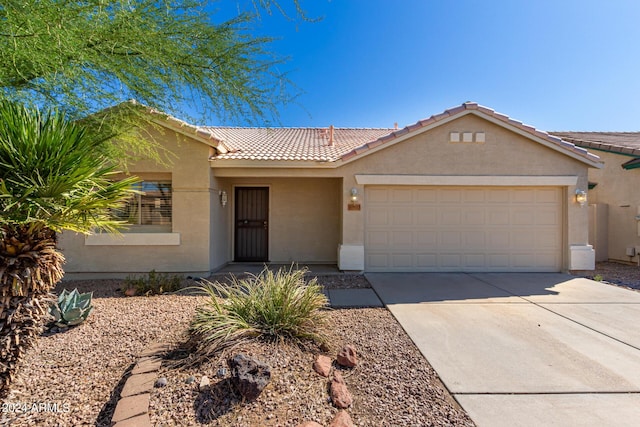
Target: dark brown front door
[[252, 224]]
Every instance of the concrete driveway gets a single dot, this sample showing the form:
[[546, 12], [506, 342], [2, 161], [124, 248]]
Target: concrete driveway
[[531, 349]]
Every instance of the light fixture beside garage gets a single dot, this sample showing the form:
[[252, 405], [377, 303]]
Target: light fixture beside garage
[[581, 197], [353, 200], [223, 198], [354, 195]]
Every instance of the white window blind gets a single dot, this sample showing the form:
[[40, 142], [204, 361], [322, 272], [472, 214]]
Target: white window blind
[[152, 207]]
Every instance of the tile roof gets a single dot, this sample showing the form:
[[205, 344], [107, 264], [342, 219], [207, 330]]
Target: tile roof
[[614, 142], [307, 144], [312, 144]]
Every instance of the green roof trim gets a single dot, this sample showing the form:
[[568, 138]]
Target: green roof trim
[[632, 164]]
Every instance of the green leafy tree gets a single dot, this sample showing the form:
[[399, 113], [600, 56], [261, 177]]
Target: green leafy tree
[[170, 55], [52, 178]]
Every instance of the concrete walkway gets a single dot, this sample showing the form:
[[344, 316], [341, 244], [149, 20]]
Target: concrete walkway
[[525, 349]]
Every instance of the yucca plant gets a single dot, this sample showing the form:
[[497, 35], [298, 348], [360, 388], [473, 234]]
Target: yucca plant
[[277, 305], [52, 178]]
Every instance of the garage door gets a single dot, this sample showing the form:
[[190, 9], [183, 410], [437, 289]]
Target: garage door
[[463, 228]]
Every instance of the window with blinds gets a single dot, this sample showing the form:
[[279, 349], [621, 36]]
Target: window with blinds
[[151, 208]]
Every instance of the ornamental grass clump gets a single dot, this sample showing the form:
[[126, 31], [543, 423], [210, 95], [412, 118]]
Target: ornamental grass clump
[[277, 305]]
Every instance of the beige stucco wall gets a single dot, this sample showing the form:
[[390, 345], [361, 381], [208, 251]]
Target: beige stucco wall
[[430, 153], [618, 188], [220, 232], [193, 194], [309, 218], [304, 217], [503, 153]]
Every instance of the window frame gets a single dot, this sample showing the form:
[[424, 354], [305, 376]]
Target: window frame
[[139, 226]]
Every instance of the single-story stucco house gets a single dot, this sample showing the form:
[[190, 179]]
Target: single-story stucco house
[[614, 193], [469, 189]]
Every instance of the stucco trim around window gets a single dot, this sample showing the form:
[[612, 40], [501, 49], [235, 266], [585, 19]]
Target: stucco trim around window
[[133, 239], [467, 180]]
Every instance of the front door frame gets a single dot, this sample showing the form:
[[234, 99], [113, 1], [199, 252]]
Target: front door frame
[[234, 225]]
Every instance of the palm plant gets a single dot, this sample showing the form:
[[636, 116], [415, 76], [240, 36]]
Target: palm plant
[[53, 177]]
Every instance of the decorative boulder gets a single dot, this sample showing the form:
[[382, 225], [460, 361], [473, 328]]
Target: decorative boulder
[[248, 375], [342, 419], [322, 365], [347, 356], [340, 395]]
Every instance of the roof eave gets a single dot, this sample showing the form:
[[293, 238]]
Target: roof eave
[[398, 136], [269, 164], [589, 159], [515, 126], [191, 131], [631, 164]]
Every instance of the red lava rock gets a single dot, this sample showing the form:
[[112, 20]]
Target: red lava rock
[[347, 356], [342, 419], [131, 292], [309, 424], [322, 365], [340, 395]]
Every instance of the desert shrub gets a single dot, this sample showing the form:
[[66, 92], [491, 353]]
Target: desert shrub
[[153, 283], [598, 278], [279, 305], [71, 308]]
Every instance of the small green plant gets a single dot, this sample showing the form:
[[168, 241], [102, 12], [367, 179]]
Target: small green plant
[[276, 305], [153, 283], [598, 278], [71, 308]]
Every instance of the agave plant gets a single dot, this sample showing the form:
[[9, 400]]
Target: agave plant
[[71, 308], [52, 178]]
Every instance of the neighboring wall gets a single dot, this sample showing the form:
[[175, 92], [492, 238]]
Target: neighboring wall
[[619, 189], [185, 250]]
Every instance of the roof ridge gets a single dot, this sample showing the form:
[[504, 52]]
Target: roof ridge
[[296, 128]]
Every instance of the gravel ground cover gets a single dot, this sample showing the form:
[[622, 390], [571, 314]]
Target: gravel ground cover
[[615, 273], [73, 378]]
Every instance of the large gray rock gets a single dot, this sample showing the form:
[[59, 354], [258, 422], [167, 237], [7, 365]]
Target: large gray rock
[[249, 376]]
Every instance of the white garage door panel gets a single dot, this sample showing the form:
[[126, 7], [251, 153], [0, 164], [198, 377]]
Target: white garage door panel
[[463, 229]]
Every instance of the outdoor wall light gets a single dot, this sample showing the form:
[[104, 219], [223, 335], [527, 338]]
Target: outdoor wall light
[[354, 195], [223, 198], [581, 197]]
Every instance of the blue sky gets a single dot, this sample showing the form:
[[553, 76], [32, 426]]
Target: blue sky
[[557, 65]]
